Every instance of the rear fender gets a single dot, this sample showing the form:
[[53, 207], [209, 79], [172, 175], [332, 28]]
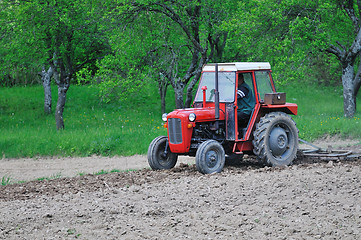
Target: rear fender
[[289, 108]]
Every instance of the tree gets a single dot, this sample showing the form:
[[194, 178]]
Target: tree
[[123, 72], [197, 22], [348, 51], [296, 35], [167, 55], [164, 64], [65, 35], [145, 49], [273, 31]]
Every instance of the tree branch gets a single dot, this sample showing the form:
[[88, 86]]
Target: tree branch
[[170, 13], [336, 51], [349, 8], [356, 45]]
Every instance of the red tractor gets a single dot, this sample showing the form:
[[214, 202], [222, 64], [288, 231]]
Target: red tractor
[[210, 130]]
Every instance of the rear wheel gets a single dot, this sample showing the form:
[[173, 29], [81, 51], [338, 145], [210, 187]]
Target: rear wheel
[[158, 156], [210, 157], [276, 139]]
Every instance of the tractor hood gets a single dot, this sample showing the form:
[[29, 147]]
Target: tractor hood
[[202, 114]]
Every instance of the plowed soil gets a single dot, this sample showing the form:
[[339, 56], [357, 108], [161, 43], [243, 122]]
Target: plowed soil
[[312, 199]]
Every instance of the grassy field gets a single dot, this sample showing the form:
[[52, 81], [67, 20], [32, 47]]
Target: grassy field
[[127, 128], [90, 127]]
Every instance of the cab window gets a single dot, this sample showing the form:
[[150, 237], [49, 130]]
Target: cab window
[[248, 80], [263, 81]]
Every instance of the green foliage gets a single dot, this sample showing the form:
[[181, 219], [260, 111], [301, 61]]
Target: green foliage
[[170, 50], [118, 82], [39, 31], [122, 73], [17, 65], [290, 35]]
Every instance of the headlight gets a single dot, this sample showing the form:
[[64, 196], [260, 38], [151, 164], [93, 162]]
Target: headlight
[[164, 117], [192, 117]]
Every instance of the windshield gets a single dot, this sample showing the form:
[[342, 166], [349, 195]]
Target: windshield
[[226, 86]]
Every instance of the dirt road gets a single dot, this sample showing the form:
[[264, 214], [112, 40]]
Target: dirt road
[[308, 200]]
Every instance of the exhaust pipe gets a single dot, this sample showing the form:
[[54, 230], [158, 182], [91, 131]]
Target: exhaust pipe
[[216, 94]]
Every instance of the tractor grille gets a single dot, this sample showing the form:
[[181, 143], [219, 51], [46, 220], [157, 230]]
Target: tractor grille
[[175, 130]]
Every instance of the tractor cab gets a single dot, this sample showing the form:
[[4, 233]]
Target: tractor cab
[[213, 129], [256, 75]]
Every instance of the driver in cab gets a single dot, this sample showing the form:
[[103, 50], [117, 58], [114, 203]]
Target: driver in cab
[[245, 102]]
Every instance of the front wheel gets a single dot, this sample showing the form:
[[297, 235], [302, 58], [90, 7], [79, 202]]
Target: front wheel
[[159, 154], [276, 139], [210, 157]]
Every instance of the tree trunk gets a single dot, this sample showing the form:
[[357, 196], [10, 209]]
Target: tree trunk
[[189, 98], [191, 86], [46, 79], [163, 103], [62, 89], [178, 91], [162, 88], [349, 98], [163, 93], [62, 79]]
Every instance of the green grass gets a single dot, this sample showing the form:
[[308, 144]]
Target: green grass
[[5, 180], [90, 127], [102, 172], [127, 128], [55, 176]]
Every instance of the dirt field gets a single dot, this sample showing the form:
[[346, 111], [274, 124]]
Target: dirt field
[[309, 200]]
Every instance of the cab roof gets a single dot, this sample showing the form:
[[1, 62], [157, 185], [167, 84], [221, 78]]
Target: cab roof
[[237, 66]]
